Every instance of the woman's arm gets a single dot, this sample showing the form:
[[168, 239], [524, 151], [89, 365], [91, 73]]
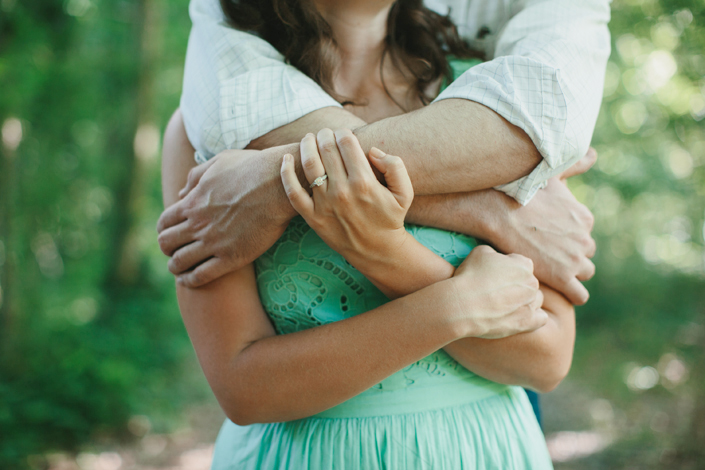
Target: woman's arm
[[399, 265], [538, 360], [258, 376]]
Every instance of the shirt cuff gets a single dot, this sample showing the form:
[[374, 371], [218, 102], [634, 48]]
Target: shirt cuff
[[529, 95], [524, 189]]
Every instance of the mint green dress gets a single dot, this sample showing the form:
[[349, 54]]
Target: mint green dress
[[434, 414]]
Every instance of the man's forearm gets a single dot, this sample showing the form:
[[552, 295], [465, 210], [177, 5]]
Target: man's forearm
[[454, 145], [451, 146], [473, 213]]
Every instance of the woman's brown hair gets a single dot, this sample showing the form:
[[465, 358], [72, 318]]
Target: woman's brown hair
[[418, 40]]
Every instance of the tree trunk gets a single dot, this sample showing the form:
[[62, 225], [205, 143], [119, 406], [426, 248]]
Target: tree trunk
[[7, 190], [130, 188]]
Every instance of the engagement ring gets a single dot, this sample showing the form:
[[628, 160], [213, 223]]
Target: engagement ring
[[319, 181]]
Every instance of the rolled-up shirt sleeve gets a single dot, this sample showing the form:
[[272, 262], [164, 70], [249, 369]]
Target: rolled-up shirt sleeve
[[237, 86], [546, 78]]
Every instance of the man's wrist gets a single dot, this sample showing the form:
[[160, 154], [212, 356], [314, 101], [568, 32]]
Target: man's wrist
[[492, 219]]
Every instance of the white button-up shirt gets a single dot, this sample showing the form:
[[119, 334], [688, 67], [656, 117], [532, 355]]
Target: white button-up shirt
[[546, 74]]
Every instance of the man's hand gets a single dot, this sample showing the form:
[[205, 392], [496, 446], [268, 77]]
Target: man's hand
[[554, 231], [227, 216]]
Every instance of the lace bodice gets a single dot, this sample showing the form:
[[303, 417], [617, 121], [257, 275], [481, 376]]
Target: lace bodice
[[304, 283]]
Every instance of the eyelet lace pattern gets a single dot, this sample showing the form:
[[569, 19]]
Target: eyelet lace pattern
[[303, 283]]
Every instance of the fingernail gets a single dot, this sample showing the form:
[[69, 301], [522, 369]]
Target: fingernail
[[377, 153], [287, 158], [309, 134]]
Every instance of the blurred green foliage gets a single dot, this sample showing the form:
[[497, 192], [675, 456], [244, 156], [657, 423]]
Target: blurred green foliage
[[90, 331], [90, 334], [640, 352]]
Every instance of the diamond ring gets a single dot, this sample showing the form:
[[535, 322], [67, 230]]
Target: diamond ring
[[319, 181]]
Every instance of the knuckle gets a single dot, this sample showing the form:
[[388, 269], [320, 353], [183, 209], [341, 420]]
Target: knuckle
[[585, 240], [361, 185], [195, 279], [175, 265], [292, 194], [341, 196], [482, 250], [565, 278], [522, 260], [175, 272], [327, 145], [539, 298], [347, 140], [164, 244], [186, 206], [575, 257], [587, 216], [309, 163], [592, 248], [535, 284], [528, 295]]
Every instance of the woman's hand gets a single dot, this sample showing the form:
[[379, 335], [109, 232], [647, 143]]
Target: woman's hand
[[351, 211], [499, 293]]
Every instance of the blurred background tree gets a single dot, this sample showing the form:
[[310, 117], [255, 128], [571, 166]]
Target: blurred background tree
[[93, 354]]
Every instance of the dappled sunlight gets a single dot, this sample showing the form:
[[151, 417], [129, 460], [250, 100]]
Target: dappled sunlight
[[570, 445], [97, 369]]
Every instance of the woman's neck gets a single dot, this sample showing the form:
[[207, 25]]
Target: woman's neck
[[360, 31]]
